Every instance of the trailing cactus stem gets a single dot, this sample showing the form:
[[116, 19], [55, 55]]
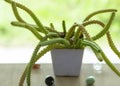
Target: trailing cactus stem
[[52, 35], [71, 31], [106, 28], [9, 1], [31, 63], [112, 45], [32, 29], [22, 78], [84, 32], [86, 23], [52, 26], [64, 27], [109, 38], [15, 11], [98, 55], [108, 62], [98, 12], [78, 33], [41, 27], [56, 40], [91, 44], [51, 29]]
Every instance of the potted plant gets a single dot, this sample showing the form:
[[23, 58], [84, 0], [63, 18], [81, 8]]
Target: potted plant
[[75, 38]]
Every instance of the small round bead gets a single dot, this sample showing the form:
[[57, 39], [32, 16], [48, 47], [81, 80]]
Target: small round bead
[[49, 80], [90, 80]]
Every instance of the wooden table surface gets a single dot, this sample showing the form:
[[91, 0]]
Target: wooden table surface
[[10, 74]]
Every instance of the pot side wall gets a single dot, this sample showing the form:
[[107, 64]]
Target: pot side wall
[[67, 62]]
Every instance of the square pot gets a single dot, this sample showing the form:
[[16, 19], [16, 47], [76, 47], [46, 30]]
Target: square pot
[[67, 62]]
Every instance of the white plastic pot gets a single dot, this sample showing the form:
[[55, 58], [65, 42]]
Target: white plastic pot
[[67, 62]]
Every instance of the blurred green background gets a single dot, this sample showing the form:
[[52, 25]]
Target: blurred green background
[[55, 11]]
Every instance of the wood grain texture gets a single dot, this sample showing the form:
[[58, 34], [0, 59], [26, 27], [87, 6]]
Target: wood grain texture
[[10, 74]]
